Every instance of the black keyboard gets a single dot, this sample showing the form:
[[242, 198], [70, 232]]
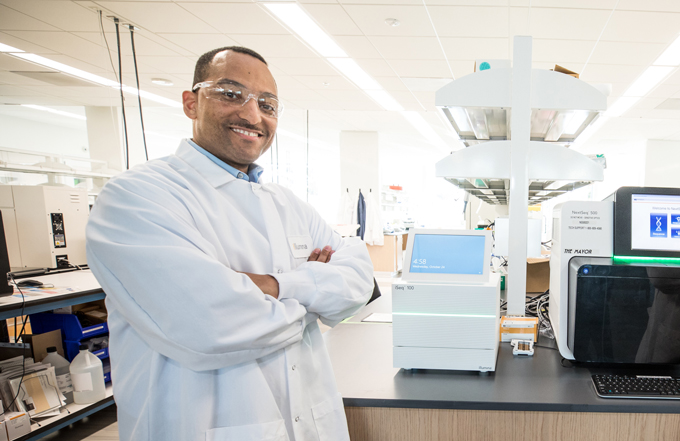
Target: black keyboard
[[639, 386]]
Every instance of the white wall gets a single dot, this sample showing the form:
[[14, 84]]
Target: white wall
[[662, 164], [359, 162], [25, 134]]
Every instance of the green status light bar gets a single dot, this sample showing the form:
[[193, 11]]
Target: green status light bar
[[443, 315], [648, 259]]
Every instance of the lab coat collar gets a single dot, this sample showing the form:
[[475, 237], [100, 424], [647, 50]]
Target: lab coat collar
[[213, 173]]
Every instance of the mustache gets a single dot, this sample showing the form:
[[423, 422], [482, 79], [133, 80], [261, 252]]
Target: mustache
[[247, 126]]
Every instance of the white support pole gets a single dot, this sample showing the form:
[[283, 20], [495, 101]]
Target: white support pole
[[519, 176]]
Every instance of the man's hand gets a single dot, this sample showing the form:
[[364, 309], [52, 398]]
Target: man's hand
[[323, 256], [266, 283]]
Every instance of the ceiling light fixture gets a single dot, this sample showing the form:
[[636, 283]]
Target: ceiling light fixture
[[37, 59], [356, 74], [671, 56], [385, 100], [162, 82], [57, 112], [652, 76], [303, 25], [392, 22], [424, 128], [6, 48]]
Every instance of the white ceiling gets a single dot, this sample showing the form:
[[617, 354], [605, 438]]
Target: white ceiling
[[586, 36]]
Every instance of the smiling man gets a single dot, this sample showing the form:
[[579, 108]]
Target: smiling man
[[215, 281]]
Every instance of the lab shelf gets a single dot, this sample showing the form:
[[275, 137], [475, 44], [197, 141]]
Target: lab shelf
[[69, 415]]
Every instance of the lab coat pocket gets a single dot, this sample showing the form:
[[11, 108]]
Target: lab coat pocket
[[330, 420], [273, 431]]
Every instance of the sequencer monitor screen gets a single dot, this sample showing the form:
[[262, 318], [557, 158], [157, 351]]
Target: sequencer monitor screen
[[447, 254], [655, 222]]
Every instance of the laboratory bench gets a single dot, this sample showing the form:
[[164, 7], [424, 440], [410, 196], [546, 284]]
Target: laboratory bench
[[526, 398], [82, 287]]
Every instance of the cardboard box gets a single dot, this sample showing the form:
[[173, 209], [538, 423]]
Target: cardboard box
[[40, 343], [538, 274], [18, 424], [486, 64], [565, 71], [520, 328]]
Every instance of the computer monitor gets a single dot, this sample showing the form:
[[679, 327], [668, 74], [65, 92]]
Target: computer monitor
[[442, 255], [646, 222]]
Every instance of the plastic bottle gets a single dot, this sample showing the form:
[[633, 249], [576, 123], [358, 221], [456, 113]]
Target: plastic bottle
[[61, 369], [87, 375]]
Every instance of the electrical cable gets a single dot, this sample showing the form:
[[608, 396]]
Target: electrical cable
[[122, 97], [139, 97], [23, 344]]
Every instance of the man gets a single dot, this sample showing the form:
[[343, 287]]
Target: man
[[215, 282]]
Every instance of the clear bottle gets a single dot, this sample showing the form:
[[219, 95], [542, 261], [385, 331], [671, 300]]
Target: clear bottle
[[61, 369], [87, 375]]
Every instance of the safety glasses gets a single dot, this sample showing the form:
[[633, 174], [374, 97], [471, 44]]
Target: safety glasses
[[234, 94]]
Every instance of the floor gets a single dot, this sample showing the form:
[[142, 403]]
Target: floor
[[102, 426]]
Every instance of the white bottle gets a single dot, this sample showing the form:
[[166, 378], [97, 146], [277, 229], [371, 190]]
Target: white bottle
[[61, 369], [87, 375]]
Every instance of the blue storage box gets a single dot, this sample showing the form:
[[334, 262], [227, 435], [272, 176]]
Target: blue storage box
[[69, 324], [72, 348]]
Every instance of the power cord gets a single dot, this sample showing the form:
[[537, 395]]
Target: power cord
[[122, 98], [139, 92], [23, 361]]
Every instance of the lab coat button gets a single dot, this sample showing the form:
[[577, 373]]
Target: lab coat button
[[279, 271], [240, 175], [297, 419], [293, 368]]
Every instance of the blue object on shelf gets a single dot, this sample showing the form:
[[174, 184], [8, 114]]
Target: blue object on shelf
[[72, 348], [107, 377], [70, 326]]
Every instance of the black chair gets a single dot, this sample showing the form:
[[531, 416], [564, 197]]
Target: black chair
[[376, 291]]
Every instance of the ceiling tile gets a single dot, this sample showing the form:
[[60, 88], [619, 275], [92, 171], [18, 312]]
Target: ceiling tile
[[181, 65], [160, 17], [39, 100], [65, 15], [391, 83], [649, 27], [143, 45], [637, 54], [24, 45], [275, 45], [343, 95], [316, 105], [408, 48], [357, 47], [252, 19], [333, 19], [562, 51], [316, 82], [475, 48], [413, 20], [649, 5], [20, 80], [65, 43], [383, 2], [571, 4], [302, 66], [422, 68], [503, 3], [14, 20], [199, 44], [287, 83], [609, 73], [426, 99], [376, 67], [470, 21], [562, 24]]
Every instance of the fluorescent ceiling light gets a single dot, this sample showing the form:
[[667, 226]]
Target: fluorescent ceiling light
[[671, 56], [37, 59], [57, 112], [385, 100], [648, 80], [303, 25], [6, 48], [351, 70], [621, 106], [423, 127]]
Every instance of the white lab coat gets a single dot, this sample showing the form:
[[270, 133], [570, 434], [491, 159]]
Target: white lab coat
[[374, 230], [198, 352]]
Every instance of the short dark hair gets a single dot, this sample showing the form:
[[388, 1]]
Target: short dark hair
[[203, 64]]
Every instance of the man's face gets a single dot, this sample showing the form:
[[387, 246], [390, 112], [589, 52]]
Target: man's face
[[218, 127]]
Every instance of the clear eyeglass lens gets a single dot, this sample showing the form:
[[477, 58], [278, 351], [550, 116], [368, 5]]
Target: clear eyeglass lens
[[233, 95]]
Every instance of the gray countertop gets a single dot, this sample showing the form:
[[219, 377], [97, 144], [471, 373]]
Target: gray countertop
[[361, 354]]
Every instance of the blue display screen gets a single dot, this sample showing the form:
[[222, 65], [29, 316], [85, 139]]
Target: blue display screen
[[447, 254]]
